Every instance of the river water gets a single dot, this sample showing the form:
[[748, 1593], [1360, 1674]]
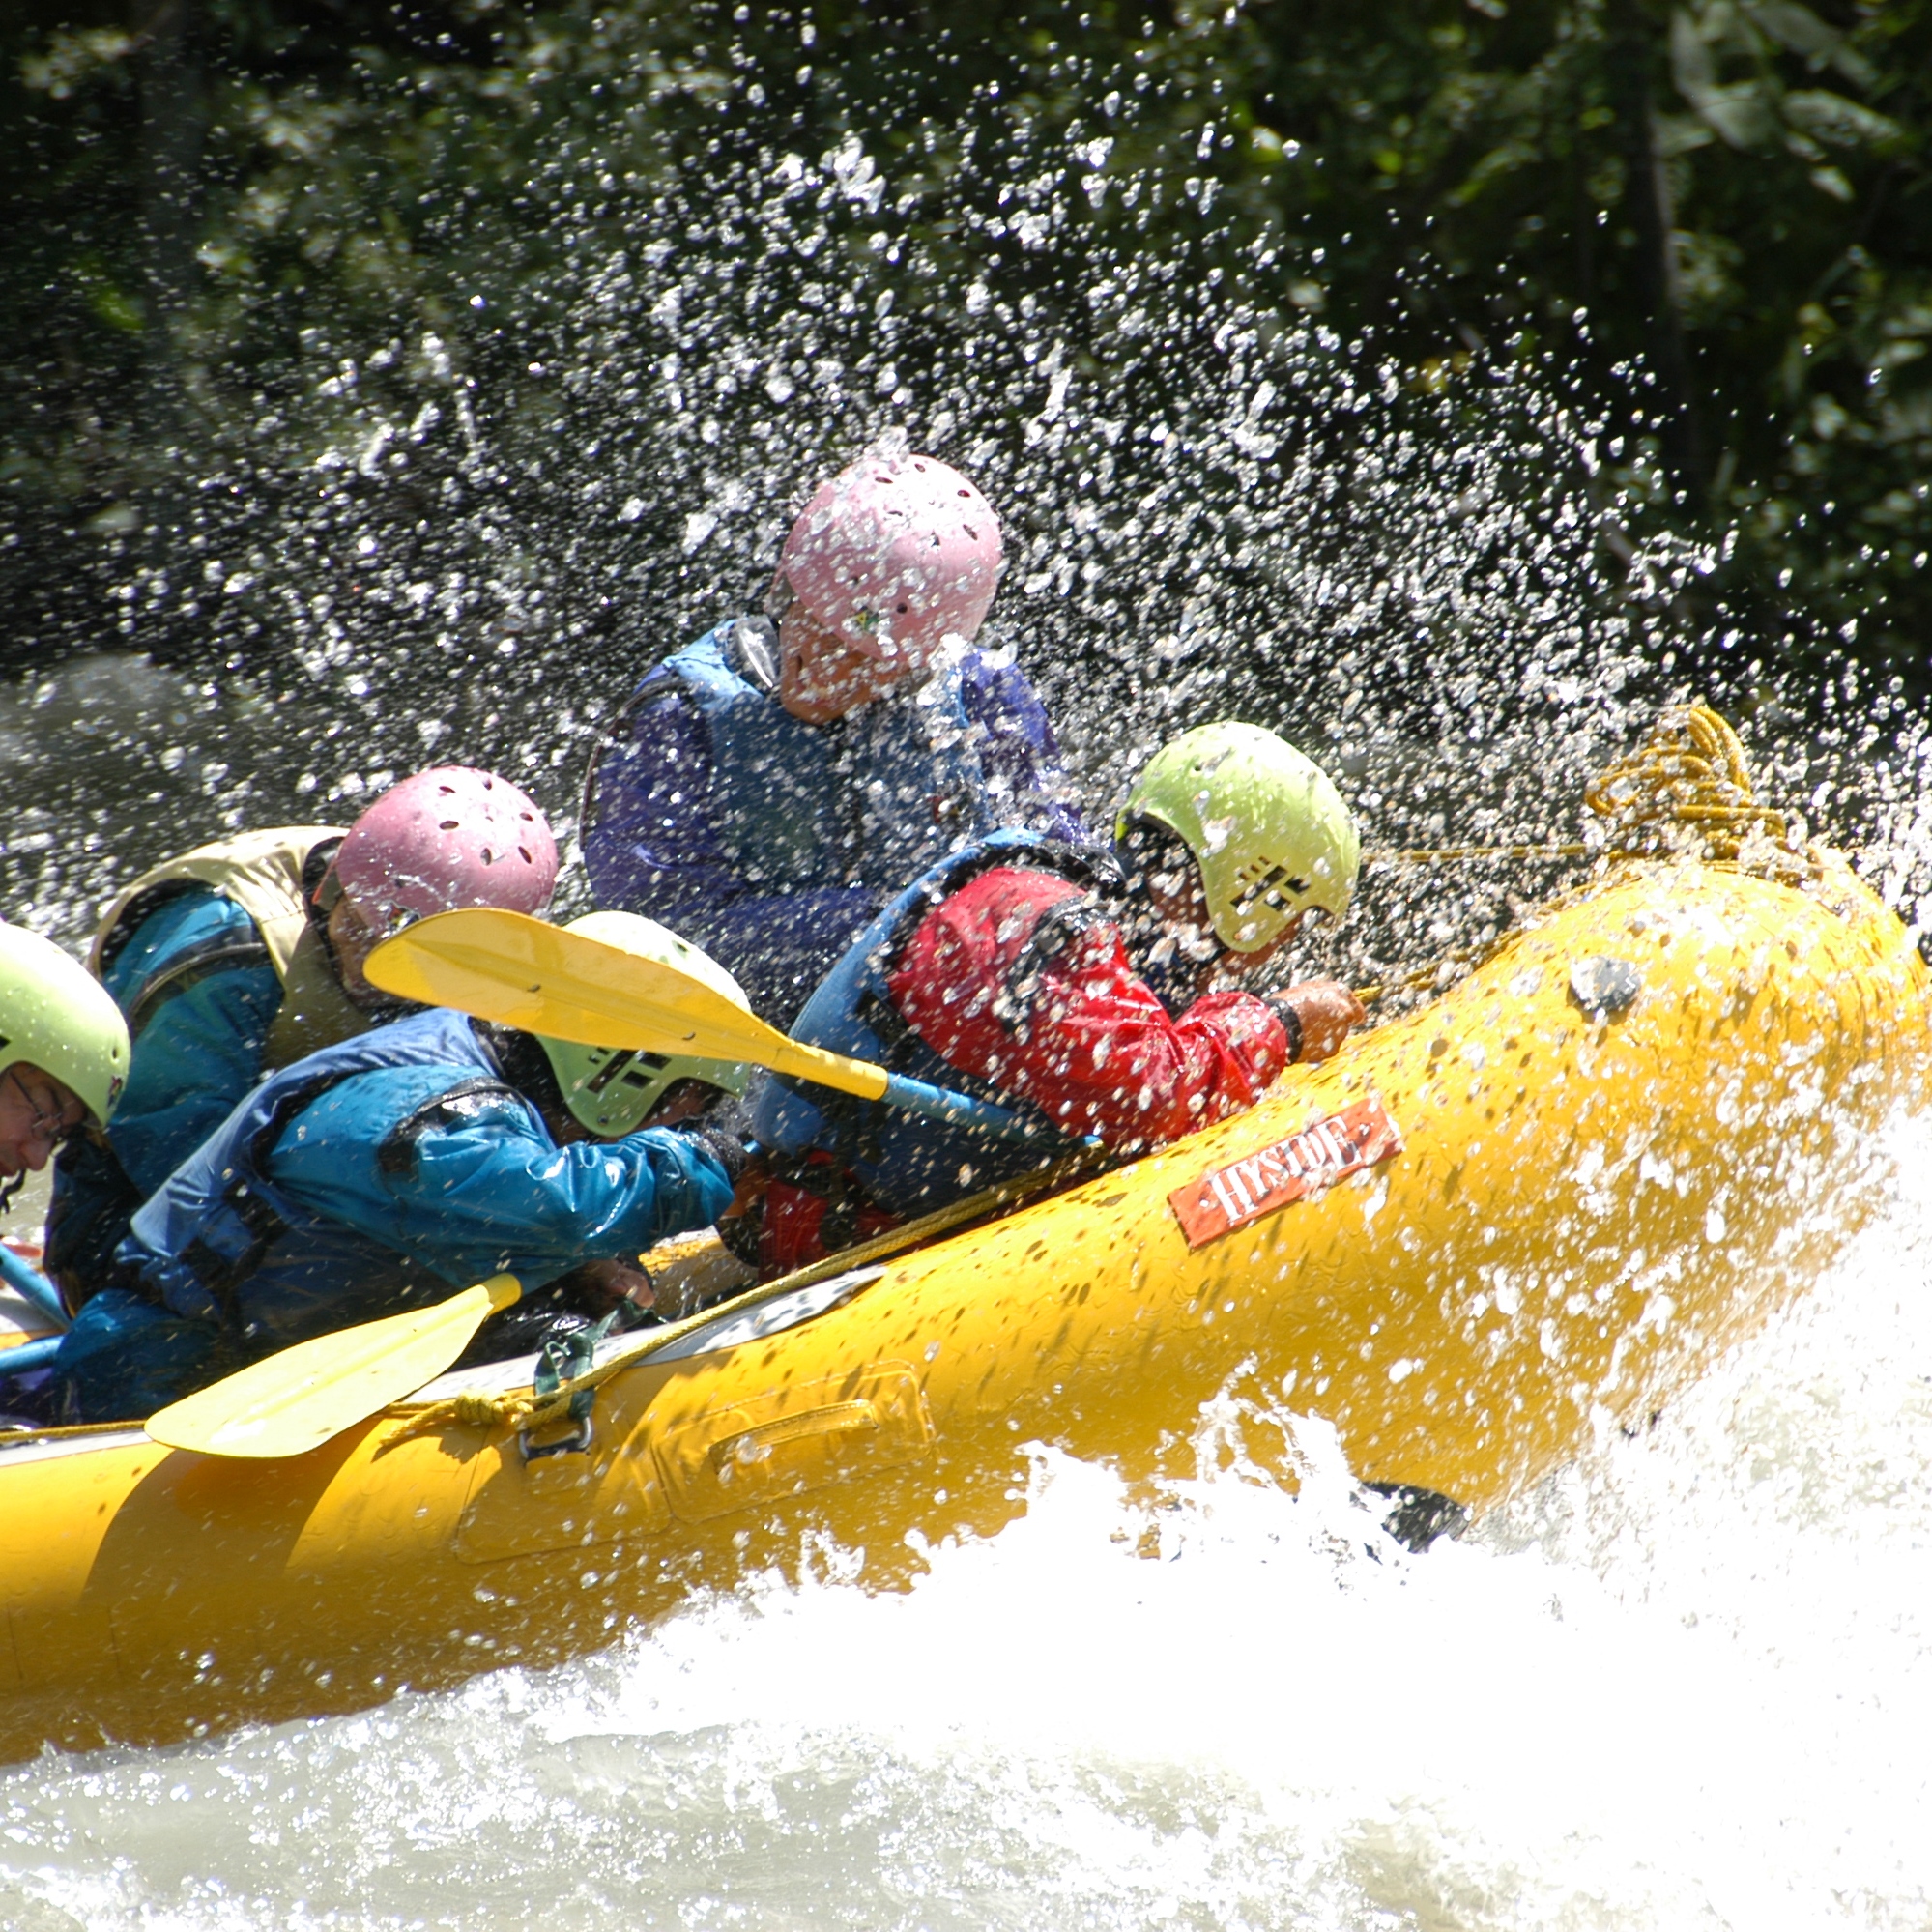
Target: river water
[[1684, 1683]]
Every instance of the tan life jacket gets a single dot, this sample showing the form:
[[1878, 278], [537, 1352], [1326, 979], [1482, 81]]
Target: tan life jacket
[[261, 872]]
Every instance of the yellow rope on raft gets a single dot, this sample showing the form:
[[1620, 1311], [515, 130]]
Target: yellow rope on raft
[[1689, 785], [1687, 795], [1440, 854]]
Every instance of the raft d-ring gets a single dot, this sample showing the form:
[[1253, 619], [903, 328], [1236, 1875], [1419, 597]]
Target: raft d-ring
[[574, 1443]]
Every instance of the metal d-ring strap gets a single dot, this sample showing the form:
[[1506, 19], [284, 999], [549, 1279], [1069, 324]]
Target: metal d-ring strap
[[564, 1358], [582, 1430]]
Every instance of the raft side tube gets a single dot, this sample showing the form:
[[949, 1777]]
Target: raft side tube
[[1586, 1205]]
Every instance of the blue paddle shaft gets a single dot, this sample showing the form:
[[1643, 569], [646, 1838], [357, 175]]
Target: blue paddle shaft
[[30, 1284], [35, 1354], [936, 1102]]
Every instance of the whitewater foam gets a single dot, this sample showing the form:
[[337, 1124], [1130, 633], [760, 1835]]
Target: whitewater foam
[[1686, 1684]]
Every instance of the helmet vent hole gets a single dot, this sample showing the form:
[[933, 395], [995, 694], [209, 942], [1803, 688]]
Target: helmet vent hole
[[449, 825], [489, 857], [524, 855]]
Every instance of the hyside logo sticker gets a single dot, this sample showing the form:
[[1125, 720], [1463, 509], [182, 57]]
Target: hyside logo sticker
[[1324, 1152]]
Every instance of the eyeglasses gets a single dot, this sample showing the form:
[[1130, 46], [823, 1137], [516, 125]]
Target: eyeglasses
[[42, 1125]]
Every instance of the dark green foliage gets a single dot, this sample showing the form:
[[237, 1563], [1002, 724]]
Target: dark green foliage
[[1494, 143], [1717, 217]]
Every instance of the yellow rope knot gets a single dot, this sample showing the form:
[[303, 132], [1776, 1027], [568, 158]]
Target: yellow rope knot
[[1687, 789], [475, 1411], [470, 1410]]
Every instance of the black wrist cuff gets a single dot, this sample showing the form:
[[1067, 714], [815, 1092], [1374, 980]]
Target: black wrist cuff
[[727, 1149], [1291, 1025]]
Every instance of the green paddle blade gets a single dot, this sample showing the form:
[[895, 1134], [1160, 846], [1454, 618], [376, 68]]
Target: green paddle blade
[[295, 1401], [538, 978]]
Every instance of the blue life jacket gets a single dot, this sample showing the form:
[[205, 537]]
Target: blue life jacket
[[222, 974], [198, 960], [908, 1164], [782, 839], [789, 820], [220, 1243]]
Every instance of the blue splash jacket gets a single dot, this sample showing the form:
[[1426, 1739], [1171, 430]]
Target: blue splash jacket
[[193, 1060], [376, 1175], [772, 844]]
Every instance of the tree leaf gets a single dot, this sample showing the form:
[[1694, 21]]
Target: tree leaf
[[1740, 114], [1841, 123], [1678, 133], [1795, 27], [1691, 63]]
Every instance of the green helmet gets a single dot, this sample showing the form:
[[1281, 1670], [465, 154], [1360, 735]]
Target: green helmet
[[610, 1090], [1268, 829], [54, 1014]]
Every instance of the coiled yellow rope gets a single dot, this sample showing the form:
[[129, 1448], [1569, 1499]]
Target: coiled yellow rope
[[1687, 787], [1685, 795]]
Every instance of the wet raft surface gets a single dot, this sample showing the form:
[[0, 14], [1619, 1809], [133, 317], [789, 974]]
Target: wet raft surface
[[1594, 1193]]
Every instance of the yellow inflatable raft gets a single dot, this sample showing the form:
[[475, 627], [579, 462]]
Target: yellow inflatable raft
[[1543, 1202]]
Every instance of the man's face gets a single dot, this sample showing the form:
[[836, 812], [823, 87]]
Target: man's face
[[353, 935], [822, 678], [37, 1113], [1175, 892]]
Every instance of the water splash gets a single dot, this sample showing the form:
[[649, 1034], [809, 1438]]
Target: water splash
[[469, 546], [1686, 1684]]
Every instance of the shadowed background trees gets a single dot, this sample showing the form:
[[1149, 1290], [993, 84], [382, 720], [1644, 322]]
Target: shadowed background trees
[[225, 224]]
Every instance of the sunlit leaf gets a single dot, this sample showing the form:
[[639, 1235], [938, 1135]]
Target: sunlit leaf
[[1842, 123], [1795, 27], [1740, 114]]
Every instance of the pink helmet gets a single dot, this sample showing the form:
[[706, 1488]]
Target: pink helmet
[[445, 838], [894, 554]]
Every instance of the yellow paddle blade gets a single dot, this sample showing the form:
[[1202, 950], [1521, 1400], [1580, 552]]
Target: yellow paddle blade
[[522, 972], [295, 1400]]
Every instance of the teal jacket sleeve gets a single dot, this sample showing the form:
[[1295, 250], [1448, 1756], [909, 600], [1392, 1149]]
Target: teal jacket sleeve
[[201, 1050], [481, 1188]]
